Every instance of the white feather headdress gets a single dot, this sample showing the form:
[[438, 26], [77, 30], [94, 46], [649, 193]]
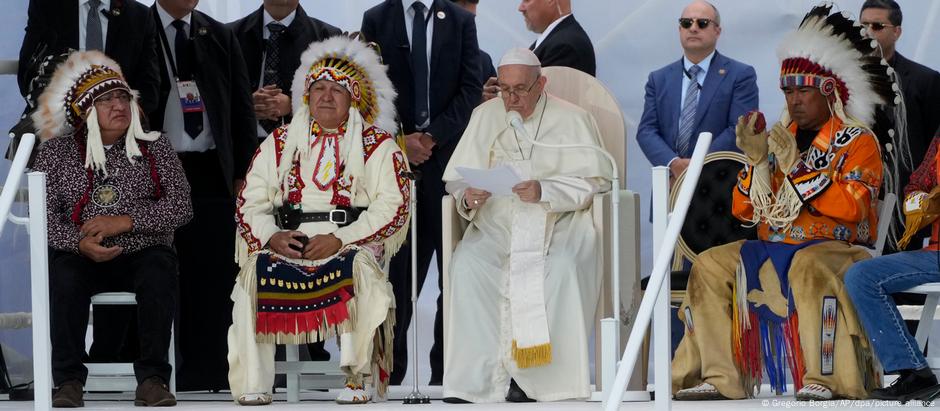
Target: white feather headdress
[[834, 53], [358, 67], [67, 105]]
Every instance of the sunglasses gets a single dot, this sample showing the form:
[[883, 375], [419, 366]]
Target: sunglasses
[[686, 23], [877, 26]]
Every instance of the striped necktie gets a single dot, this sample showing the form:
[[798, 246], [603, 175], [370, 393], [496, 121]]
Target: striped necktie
[[687, 118]]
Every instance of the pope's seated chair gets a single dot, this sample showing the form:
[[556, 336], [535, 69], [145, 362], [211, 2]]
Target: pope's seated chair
[[590, 94]]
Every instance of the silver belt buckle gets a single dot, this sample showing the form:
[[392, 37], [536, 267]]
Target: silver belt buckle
[[334, 220]]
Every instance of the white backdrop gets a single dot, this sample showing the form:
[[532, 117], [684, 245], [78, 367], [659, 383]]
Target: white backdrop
[[631, 38]]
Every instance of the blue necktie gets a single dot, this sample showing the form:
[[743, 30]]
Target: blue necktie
[[419, 63], [686, 119]]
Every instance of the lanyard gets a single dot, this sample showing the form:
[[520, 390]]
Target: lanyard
[[166, 51]]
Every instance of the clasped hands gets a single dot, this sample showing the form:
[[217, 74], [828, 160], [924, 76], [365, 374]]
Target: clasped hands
[[756, 145], [418, 147], [94, 231], [318, 247], [529, 191], [270, 103]]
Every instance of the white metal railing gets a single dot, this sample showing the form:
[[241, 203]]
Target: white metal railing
[[39, 264], [12, 184], [657, 295]]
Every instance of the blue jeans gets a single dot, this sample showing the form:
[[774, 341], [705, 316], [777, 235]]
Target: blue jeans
[[870, 283]]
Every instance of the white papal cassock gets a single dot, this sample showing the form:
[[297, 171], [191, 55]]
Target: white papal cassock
[[525, 279]]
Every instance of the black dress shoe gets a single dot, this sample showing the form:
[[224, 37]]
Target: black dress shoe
[[455, 400], [911, 385], [69, 395], [516, 394]]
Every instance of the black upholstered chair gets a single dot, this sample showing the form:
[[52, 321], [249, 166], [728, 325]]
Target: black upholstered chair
[[709, 221]]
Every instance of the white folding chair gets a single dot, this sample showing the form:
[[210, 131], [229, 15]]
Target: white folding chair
[[309, 375], [120, 376]]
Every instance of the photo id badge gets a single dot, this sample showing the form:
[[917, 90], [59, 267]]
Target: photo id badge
[[190, 99]]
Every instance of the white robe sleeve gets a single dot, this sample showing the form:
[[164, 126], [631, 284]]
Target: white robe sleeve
[[564, 194], [388, 194], [462, 209], [254, 211]]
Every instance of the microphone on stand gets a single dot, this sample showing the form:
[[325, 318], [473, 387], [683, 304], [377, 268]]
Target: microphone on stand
[[515, 121]]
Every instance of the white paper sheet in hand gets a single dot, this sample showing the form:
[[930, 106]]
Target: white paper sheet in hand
[[497, 180]]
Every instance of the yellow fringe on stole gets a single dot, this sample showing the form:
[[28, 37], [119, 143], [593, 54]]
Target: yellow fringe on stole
[[535, 356]]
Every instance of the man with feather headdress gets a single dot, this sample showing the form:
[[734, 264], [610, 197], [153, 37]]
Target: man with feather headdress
[[115, 196], [324, 207], [810, 186]]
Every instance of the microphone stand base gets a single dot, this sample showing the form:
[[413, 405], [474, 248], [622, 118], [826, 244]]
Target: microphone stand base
[[417, 398]]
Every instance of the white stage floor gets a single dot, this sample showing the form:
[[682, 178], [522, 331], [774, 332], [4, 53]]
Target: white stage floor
[[322, 400]]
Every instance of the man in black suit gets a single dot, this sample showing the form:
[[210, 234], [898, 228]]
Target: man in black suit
[[124, 32], [920, 87], [437, 47], [486, 62], [562, 41], [213, 130], [272, 39]]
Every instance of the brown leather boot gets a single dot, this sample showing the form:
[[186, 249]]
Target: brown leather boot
[[69, 395], [153, 392]]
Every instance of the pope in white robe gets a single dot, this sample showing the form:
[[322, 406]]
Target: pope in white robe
[[525, 278]]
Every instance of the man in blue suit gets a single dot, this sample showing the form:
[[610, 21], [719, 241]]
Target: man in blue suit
[[703, 91]]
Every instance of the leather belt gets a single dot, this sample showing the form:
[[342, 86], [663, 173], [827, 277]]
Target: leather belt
[[289, 219]]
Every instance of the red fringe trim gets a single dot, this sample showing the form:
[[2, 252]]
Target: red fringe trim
[[795, 357], [303, 322], [752, 351]]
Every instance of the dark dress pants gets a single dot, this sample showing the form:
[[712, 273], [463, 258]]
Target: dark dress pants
[[151, 273], [206, 247]]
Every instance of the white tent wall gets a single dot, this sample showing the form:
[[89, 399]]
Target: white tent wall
[[631, 38], [634, 37]]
